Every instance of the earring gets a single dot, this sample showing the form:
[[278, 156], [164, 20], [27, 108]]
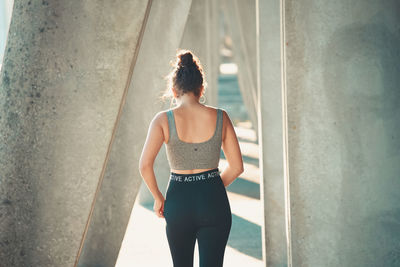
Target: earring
[[204, 99], [174, 101]]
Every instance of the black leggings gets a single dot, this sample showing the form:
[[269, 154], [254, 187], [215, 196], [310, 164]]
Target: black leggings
[[197, 207]]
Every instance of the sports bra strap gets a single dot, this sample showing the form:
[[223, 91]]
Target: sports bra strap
[[172, 125]]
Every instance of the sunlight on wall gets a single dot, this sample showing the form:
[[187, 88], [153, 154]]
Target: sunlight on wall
[[228, 68], [5, 18]]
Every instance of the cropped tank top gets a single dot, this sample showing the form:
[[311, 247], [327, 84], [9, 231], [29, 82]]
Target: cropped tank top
[[186, 156]]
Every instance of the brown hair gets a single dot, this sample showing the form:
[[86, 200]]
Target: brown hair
[[187, 75]]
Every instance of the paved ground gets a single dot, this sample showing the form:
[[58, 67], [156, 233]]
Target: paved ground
[[145, 243]]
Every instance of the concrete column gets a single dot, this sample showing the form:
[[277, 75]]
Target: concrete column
[[270, 117], [342, 69], [213, 53], [202, 38], [241, 25], [65, 70], [122, 178]]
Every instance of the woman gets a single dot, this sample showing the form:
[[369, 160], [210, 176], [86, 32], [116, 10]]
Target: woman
[[196, 205]]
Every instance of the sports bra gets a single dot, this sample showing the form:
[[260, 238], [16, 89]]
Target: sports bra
[[187, 156]]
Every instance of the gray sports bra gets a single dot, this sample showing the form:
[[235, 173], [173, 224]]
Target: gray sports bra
[[187, 156]]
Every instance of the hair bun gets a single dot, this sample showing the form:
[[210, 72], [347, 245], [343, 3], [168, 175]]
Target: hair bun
[[186, 60]]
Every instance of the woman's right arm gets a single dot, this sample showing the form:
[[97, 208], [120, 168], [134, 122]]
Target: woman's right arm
[[230, 146]]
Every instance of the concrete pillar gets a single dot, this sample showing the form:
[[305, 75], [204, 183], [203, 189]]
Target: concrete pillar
[[241, 25], [122, 179], [342, 69], [65, 70], [202, 37], [213, 54], [276, 247]]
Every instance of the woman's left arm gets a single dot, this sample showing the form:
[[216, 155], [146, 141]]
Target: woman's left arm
[[152, 145]]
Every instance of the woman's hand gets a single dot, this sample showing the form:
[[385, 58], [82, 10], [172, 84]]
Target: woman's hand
[[159, 206]]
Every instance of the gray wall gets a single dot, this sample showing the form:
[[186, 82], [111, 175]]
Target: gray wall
[[343, 93], [331, 177], [63, 78], [275, 238]]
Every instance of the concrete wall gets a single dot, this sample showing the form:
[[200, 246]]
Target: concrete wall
[[65, 69], [276, 251], [337, 159], [342, 69], [122, 178], [213, 53]]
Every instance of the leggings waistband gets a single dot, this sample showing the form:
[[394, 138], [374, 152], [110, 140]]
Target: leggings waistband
[[193, 177]]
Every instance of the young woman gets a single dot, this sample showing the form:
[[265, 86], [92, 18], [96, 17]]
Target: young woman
[[196, 205]]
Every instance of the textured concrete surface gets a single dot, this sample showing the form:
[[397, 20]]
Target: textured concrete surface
[[342, 69], [122, 178], [146, 244], [62, 81], [213, 53], [270, 119]]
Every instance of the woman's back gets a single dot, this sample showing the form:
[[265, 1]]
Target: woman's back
[[195, 125], [194, 137]]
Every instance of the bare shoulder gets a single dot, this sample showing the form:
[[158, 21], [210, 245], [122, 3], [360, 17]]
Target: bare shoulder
[[225, 116], [210, 107], [226, 121], [215, 108], [160, 119], [224, 113], [160, 116]]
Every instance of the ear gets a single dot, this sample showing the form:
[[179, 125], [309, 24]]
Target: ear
[[202, 91], [174, 92]]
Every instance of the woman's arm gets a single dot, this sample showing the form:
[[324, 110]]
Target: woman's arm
[[230, 146], [152, 145]]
